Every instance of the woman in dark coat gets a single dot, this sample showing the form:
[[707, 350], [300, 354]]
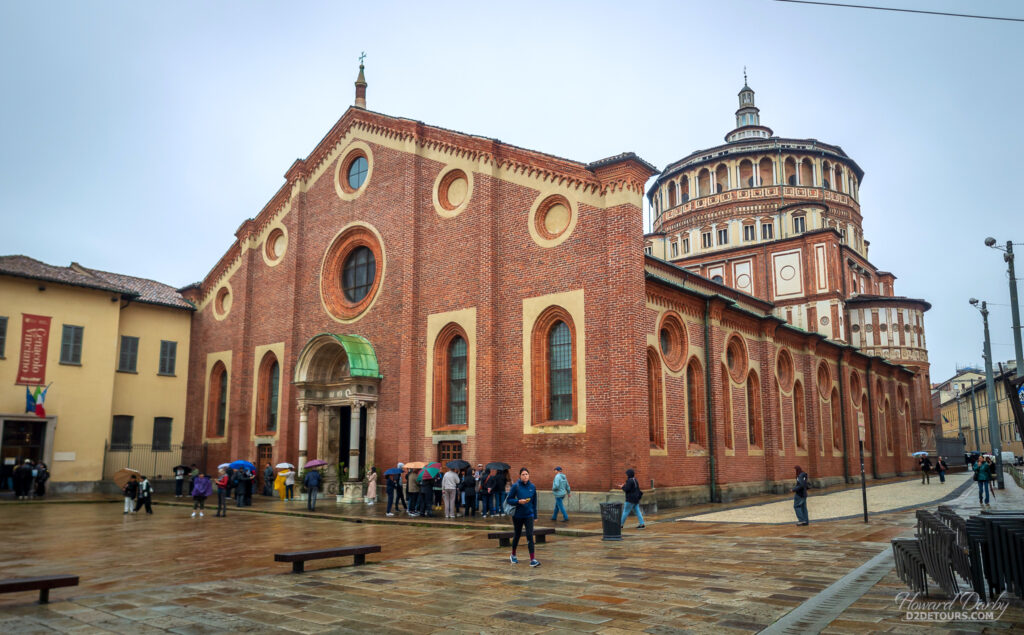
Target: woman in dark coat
[[800, 496], [42, 475]]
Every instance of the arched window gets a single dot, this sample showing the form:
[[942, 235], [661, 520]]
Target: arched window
[[684, 188], [268, 394], [837, 178], [806, 173], [655, 421], [746, 173], [695, 403], [766, 174], [451, 379], [888, 426], [836, 420], [703, 182], [755, 433], [790, 168], [217, 408], [906, 426], [727, 409], [799, 420], [554, 367], [671, 195], [721, 178]]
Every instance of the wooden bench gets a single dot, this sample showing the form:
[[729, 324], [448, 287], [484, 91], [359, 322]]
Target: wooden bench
[[299, 558], [42, 584], [505, 537]]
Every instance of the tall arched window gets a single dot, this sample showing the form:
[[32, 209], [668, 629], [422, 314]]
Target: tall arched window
[[836, 420], [268, 392], [695, 404], [554, 367], [766, 175], [457, 391], [217, 408], [721, 178], [727, 409], [654, 408], [806, 173], [451, 379], [755, 434], [746, 173], [684, 188], [790, 168], [799, 420], [671, 195], [703, 182], [888, 426], [906, 426]]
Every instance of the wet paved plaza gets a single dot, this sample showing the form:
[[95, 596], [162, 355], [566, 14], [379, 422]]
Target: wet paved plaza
[[170, 572]]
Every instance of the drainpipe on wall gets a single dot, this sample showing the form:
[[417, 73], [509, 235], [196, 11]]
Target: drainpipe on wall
[[709, 403], [871, 424], [842, 420]]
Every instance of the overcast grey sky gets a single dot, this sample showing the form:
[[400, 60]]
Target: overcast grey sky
[[136, 137]]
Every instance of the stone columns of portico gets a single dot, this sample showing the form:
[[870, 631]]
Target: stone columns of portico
[[303, 433], [354, 485]]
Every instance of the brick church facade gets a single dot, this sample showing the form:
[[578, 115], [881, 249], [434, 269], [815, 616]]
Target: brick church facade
[[415, 293]]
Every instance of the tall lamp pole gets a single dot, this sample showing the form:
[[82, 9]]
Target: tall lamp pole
[[1014, 305], [990, 394]]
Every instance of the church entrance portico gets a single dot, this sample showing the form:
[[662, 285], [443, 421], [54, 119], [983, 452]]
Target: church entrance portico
[[338, 378]]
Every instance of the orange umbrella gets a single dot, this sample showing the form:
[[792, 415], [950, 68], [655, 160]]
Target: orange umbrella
[[415, 465], [122, 476]]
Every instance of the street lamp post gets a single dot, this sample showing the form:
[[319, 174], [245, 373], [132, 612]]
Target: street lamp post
[[1018, 349], [990, 395]]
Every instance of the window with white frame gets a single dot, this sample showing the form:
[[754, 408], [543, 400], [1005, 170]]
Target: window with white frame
[[675, 249], [748, 232], [799, 224], [705, 239], [723, 236], [767, 231], [686, 245]]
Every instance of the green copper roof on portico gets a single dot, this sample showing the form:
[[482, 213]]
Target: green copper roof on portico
[[362, 360]]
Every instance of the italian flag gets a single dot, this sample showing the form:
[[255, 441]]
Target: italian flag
[[34, 400]]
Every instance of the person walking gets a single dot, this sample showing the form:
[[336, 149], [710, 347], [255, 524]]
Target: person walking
[[523, 495], [289, 484], [145, 497], [449, 489], [560, 490], [800, 496], [268, 480], [941, 467], [371, 486], [468, 486], [312, 481], [42, 475], [633, 495], [983, 474], [131, 491], [412, 487], [926, 467], [201, 488], [222, 494]]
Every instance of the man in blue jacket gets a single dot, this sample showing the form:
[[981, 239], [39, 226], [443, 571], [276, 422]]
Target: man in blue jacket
[[560, 490], [312, 483]]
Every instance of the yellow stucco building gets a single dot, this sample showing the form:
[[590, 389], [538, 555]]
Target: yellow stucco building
[[966, 413], [111, 352]]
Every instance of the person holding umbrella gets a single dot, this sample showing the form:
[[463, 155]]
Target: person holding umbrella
[[179, 479], [412, 486], [468, 487], [131, 491], [393, 484], [312, 481], [523, 495]]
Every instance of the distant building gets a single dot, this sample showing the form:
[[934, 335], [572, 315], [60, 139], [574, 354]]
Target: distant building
[[110, 351], [966, 411]]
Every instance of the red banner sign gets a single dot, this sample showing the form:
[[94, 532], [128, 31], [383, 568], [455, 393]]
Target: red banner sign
[[35, 335]]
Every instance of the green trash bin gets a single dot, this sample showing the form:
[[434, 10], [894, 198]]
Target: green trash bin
[[611, 516]]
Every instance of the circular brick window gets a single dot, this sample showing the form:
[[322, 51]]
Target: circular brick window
[[275, 244], [453, 190], [672, 339], [356, 170], [784, 370], [736, 359], [824, 380], [223, 301], [351, 272], [553, 217]]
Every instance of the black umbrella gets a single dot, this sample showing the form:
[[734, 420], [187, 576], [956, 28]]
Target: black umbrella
[[457, 464], [498, 465], [181, 467]]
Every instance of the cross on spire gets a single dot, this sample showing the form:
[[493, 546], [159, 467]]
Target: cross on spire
[[362, 56], [744, 75]]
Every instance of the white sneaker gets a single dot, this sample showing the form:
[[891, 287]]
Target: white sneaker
[[193, 514], [389, 514], [200, 514]]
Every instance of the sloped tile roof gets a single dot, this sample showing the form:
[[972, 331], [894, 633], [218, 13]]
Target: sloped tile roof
[[137, 289]]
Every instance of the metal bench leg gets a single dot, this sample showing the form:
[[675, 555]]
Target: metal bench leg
[[360, 559], [541, 538], [504, 542], [299, 566], [44, 596]]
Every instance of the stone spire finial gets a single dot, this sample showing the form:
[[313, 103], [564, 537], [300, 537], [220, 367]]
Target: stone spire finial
[[361, 84]]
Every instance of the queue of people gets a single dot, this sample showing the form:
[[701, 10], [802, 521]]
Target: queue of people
[[28, 480]]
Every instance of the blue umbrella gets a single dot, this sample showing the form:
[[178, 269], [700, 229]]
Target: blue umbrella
[[242, 465], [392, 471]]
